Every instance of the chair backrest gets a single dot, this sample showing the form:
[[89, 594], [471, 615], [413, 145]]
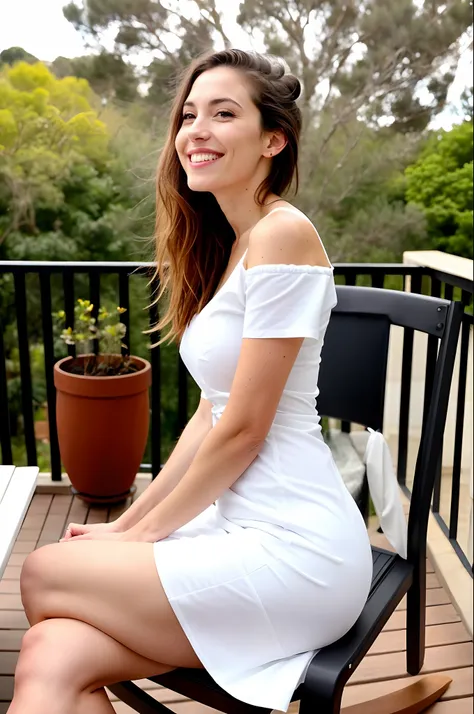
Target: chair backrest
[[354, 367], [353, 375]]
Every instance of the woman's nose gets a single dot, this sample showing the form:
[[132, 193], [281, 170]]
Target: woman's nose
[[199, 130]]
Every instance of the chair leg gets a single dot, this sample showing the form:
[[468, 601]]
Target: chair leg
[[320, 704], [136, 698], [415, 632], [413, 699]]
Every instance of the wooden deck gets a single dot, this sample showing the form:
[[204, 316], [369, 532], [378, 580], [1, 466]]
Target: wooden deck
[[449, 646]]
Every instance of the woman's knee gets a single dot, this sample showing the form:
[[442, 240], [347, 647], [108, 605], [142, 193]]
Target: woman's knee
[[36, 577], [42, 656]]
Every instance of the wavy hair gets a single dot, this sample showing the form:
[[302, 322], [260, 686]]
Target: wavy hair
[[188, 222]]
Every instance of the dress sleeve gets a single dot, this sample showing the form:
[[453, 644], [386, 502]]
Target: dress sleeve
[[288, 300]]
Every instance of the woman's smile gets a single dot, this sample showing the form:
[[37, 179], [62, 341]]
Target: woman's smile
[[198, 158]]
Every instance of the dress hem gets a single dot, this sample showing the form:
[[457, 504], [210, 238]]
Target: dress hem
[[281, 705]]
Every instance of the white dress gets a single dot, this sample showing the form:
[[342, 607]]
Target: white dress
[[281, 565]]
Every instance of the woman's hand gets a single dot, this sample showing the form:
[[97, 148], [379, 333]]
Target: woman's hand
[[105, 531], [93, 530]]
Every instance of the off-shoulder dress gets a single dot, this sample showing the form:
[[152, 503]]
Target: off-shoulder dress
[[281, 565]]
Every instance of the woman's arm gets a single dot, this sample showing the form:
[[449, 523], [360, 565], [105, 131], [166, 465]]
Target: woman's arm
[[231, 446], [178, 463]]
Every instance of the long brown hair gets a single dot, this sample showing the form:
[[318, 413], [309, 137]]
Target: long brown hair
[[189, 222]]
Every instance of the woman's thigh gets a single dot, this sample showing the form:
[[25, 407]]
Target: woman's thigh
[[115, 587]]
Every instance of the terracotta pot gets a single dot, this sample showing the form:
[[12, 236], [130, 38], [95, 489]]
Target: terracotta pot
[[102, 429]]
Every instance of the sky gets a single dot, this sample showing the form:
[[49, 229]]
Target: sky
[[40, 28]]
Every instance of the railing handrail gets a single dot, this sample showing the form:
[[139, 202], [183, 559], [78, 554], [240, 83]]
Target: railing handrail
[[445, 263], [7, 266], [125, 263], [414, 262]]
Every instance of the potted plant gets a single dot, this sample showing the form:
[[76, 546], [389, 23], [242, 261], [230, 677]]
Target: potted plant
[[102, 406]]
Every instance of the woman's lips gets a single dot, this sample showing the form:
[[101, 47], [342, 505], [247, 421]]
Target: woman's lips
[[203, 158]]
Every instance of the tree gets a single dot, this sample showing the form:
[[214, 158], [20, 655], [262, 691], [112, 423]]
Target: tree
[[73, 187], [467, 104], [150, 25], [107, 73], [363, 63], [369, 57], [440, 182], [56, 171], [16, 54], [355, 194], [162, 74], [171, 38]]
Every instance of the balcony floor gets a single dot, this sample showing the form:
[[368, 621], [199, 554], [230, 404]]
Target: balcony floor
[[449, 646]]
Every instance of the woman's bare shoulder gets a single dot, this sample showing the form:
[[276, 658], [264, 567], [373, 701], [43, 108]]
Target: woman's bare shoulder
[[285, 235]]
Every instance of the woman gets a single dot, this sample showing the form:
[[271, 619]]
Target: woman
[[247, 553]]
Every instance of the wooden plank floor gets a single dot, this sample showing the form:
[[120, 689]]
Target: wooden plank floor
[[449, 647]]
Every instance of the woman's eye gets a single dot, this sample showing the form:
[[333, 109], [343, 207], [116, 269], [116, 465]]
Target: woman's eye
[[223, 113]]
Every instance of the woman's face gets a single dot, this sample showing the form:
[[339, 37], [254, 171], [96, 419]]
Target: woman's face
[[221, 143]]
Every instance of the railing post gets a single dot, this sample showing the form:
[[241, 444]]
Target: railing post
[[48, 341], [25, 368], [458, 437], [155, 383], [68, 288], [94, 291], [5, 436], [124, 301]]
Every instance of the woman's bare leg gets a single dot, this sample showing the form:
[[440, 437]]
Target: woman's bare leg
[[115, 587], [64, 665], [94, 703]]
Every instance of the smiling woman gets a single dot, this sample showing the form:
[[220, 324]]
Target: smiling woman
[[238, 109], [249, 515]]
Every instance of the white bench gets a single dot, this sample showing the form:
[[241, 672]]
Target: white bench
[[17, 486]]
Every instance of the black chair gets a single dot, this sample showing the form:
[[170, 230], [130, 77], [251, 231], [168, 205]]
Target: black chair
[[352, 384]]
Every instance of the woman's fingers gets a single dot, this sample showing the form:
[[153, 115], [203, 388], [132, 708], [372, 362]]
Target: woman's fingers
[[98, 535], [86, 536], [74, 529]]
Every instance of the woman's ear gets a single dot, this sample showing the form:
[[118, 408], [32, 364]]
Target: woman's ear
[[275, 143]]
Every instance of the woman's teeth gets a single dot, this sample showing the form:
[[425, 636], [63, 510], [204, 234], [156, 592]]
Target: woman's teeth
[[199, 158]]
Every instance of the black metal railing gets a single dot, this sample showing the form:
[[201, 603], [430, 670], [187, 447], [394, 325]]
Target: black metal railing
[[67, 271], [14, 294]]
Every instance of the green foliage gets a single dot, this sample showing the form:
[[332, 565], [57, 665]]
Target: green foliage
[[440, 182], [106, 331], [107, 73], [16, 54], [56, 171], [467, 104], [38, 381], [353, 190]]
